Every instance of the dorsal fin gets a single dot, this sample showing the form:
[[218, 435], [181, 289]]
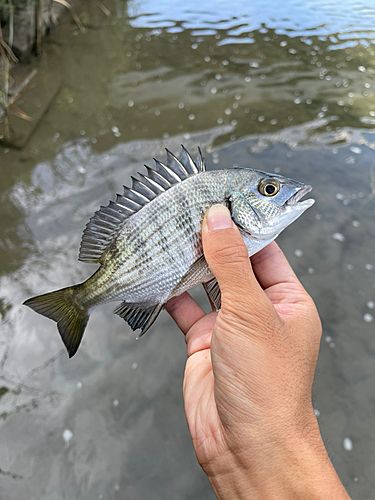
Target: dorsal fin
[[103, 227]]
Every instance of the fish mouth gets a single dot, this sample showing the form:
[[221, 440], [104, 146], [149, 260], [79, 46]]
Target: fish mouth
[[295, 200]]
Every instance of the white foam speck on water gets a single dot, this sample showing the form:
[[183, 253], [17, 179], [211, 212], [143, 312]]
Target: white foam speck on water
[[338, 237], [79, 385], [355, 223], [116, 131], [368, 317], [117, 487], [67, 436], [339, 196], [362, 69], [298, 252], [347, 444], [350, 267], [316, 412], [369, 267], [134, 365], [115, 402], [356, 150], [311, 270], [329, 341], [370, 304]]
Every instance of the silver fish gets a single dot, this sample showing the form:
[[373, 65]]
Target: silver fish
[[148, 241]]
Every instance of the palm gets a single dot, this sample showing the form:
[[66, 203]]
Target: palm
[[287, 296]]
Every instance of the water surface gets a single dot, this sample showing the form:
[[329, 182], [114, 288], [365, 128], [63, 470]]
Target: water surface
[[282, 87]]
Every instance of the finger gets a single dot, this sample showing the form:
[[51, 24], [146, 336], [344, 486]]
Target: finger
[[227, 257], [272, 268], [185, 311], [198, 338]]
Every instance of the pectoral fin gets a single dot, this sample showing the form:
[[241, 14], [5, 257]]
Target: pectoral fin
[[213, 292]]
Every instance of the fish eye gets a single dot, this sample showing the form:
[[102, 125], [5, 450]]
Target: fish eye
[[269, 187]]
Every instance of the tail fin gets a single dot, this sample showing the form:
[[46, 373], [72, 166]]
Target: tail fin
[[61, 307]]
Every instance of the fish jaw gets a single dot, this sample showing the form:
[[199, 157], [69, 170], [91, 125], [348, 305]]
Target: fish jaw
[[296, 199]]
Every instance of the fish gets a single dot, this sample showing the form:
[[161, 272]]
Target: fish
[[147, 242]]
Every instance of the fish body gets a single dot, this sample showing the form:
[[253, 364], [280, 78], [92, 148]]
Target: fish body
[[148, 241]]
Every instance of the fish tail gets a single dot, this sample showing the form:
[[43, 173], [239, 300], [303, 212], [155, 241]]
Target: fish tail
[[62, 307]]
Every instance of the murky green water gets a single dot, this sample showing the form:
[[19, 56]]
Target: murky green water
[[285, 86]]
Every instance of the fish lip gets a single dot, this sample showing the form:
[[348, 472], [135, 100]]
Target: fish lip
[[296, 198]]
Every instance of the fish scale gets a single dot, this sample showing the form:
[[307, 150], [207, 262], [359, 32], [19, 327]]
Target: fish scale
[[183, 246], [158, 227], [148, 241]]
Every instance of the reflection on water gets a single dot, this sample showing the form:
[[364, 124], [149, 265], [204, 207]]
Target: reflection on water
[[279, 86], [333, 19]]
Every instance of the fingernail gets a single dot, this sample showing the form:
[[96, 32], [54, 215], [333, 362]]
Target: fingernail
[[218, 217]]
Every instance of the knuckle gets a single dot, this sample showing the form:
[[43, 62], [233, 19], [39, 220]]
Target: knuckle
[[231, 253], [244, 316]]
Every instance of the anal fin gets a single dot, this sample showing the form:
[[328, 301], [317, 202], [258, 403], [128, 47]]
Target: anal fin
[[213, 292], [138, 317]]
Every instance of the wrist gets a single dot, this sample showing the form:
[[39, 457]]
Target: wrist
[[296, 467]]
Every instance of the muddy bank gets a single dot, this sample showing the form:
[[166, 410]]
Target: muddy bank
[[30, 76], [25, 23]]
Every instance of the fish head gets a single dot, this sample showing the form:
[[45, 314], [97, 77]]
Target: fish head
[[264, 204]]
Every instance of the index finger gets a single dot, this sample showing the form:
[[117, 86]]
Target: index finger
[[185, 311], [271, 267]]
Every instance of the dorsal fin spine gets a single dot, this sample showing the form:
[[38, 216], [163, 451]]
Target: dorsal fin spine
[[173, 159], [122, 202], [202, 166], [135, 196], [129, 196], [189, 160], [146, 191], [107, 212], [153, 174], [104, 226], [154, 186], [163, 169]]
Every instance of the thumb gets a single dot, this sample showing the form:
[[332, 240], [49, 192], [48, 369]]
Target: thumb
[[228, 260]]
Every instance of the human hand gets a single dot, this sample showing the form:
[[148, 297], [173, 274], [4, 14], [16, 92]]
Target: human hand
[[249, 374]]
